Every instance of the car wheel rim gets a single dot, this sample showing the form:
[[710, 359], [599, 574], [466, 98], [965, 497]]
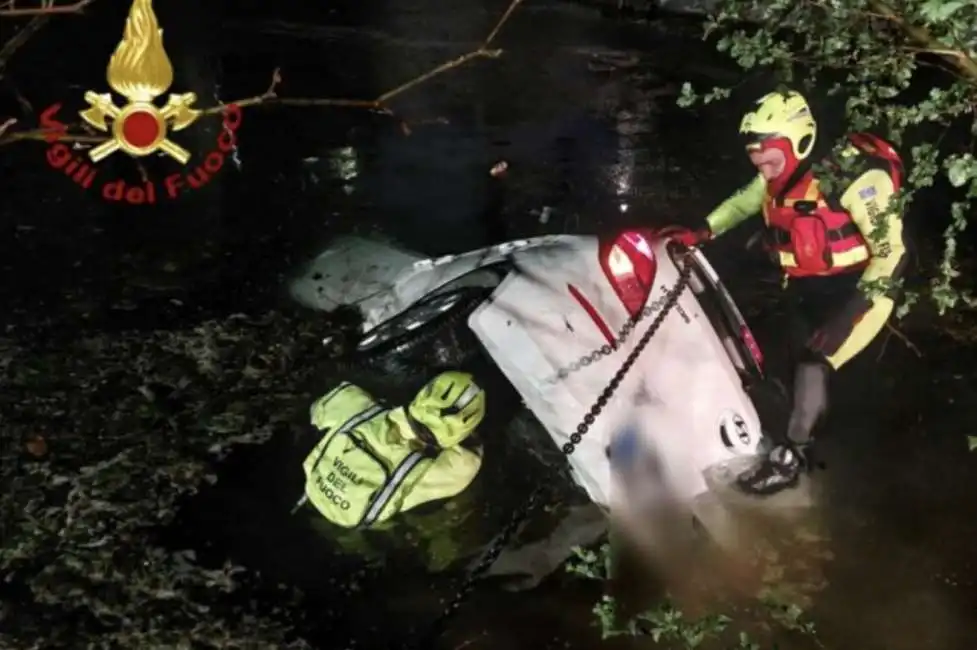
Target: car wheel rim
[[413, 320]]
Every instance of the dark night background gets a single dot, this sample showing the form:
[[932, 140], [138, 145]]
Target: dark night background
[[582, 106]]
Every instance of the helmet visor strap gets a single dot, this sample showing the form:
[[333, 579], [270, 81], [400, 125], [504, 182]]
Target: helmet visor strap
[[753, 139]]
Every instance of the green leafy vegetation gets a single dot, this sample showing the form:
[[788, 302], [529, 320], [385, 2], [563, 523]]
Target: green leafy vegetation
[[670, 627], [906, 69]]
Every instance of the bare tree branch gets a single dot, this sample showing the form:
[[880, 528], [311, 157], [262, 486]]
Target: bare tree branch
[[959, 58], [271, 97], [9, 122], [21, 37], [9, 9], [894, 331], [39, 17]]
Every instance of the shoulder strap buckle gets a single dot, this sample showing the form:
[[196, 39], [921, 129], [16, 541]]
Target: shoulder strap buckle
[[806, 207]]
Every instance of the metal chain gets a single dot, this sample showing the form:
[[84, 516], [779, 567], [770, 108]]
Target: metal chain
[[608, 348], [519, 516]]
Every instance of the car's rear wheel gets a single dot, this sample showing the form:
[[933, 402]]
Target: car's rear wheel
[[430, 335]]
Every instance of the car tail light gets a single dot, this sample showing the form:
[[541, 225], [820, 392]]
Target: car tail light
[[630, 265], [752, 345]]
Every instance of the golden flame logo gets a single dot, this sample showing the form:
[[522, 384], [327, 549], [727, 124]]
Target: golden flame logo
[[140, 71]]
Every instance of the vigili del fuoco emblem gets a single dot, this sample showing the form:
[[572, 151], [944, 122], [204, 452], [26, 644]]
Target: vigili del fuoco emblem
[[140, 71]]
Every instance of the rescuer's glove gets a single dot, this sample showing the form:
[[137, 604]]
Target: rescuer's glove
[[686, 236]]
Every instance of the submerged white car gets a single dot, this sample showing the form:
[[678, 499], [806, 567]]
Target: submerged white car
[[549, 312]]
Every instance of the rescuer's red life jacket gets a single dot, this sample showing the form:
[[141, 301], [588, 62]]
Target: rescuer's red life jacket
[[814, 235]]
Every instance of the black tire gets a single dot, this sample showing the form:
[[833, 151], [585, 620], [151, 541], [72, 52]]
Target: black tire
[[442, 342]]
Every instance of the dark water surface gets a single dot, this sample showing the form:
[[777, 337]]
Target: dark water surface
[[583, 109]]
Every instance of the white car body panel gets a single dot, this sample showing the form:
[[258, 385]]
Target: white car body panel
[[352, 271], [679, 391], [383, 280]]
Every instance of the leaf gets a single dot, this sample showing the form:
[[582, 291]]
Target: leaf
[[971, 443], [687, 97], [960, 169], [936, 11]]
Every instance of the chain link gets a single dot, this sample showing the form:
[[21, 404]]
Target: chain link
[[665, 304], [606, 349]]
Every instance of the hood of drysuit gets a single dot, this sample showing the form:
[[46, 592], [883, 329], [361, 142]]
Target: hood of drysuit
[[781, 124]]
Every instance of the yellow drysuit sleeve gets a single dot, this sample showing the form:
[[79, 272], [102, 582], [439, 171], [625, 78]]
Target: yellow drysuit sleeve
[[742, 205]]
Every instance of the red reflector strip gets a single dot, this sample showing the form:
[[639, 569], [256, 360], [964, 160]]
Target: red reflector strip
[[593, 313]]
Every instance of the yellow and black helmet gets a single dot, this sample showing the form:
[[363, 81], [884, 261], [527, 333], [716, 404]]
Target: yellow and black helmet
[[450, 406], [783, 115]]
